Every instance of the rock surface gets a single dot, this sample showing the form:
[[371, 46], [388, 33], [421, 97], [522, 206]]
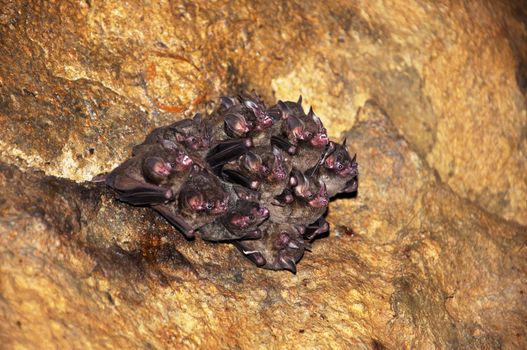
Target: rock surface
[[410, 262]]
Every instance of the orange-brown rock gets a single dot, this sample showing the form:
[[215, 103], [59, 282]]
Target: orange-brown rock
[[427, 255]]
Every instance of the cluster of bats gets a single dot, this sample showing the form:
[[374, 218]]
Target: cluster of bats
[[257, 177]]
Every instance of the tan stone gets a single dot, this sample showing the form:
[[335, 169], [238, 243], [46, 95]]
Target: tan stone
[[407, 265]]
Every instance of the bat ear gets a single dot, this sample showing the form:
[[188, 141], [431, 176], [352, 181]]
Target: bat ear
[[227, 102], [277, 152], [251, 104], [294, 123], [283, 108], [298, 179], [299, 102], [171, 145], [252, 162], [323, 189], [317, 121], [197, 118], [236, 123], [330, 148], [344, 142]]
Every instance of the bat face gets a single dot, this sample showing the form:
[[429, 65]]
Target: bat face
[[298, 125], [203, 194], [155, 169], [318, 199], [236, 125], [283, 110], [320, 136], [267, 166], [341, 163], [162, 160], [248, 215], [251, 163], [193, 142], [193, 134], [278, 167], [261, 119], [312, 191]]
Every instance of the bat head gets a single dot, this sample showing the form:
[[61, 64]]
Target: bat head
[[251, 163], [340, 162], [289, 247], [193, 133], [296, 127], [319, 137], [262, 119], [176, 155], [248, 215], [236, 125], [202, 193], [308, 189], [277, 166], [155, 169]]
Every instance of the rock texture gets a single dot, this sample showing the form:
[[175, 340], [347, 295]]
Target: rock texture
[[430, 254]]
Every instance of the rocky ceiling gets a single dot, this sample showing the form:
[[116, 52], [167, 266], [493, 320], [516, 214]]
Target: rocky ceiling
[[430, 94]]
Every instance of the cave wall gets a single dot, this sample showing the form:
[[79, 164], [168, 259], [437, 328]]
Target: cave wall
[[431, 96]]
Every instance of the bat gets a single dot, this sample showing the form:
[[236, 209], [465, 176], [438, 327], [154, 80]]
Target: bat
[[280, 248]]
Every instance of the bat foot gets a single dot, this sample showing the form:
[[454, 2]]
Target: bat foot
[[255, 234], [99, 178], [288, 263], [256, 257], [317, 228], [351, 186]]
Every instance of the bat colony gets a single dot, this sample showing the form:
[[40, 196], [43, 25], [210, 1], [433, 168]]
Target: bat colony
[[257, 177]]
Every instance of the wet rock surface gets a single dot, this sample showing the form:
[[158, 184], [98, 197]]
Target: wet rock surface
[[431, 96]]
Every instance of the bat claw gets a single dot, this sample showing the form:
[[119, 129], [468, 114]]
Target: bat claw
[[99, 178], [189, 234], [256, 257], [351, 186], [293, 245], [301, 229], [255, 234], [288, 263]]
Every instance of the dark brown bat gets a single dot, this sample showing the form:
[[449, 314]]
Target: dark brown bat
[[193, 134], [239, 117], [280, 248], [304, 203], [298, 130], [241, 222], [146, 177], [265, 169], [338, 170], [200, 201]]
